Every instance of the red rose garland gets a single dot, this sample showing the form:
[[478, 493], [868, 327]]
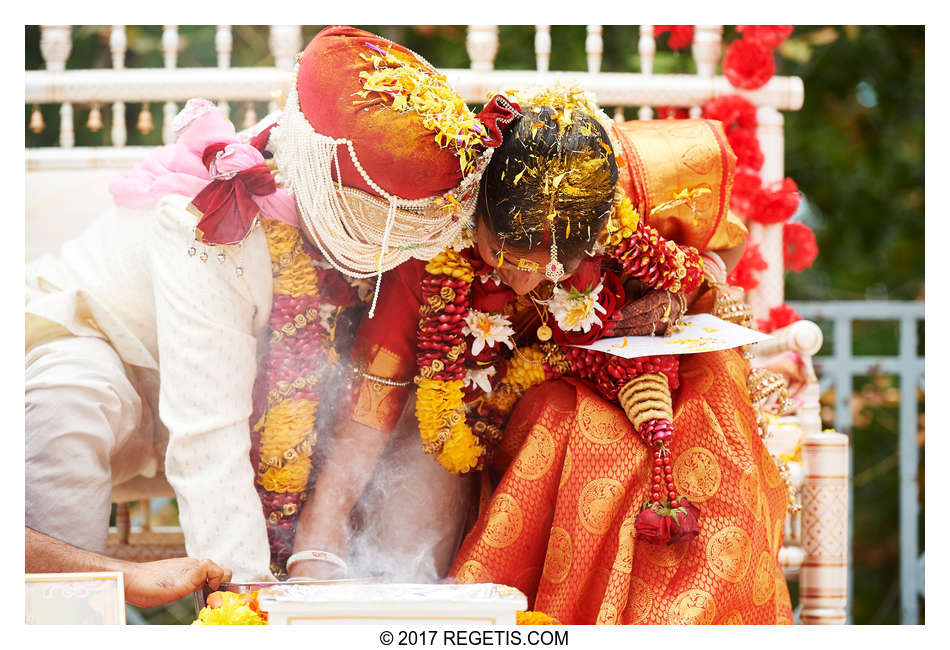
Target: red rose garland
[[801, 248], [778, 318], [745, 272], [680, 35], [745, 144], [748, 65]]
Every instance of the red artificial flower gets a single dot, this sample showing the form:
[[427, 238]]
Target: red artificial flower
[[680, 35], [585, 276], [768, 36], [801, 247], [671, 113], [745, 274], [775, 203], [685, 524], [748, 65], [778, 318], [734, 111], [652, 527], [745, 144], [747, 183], [490, 297]]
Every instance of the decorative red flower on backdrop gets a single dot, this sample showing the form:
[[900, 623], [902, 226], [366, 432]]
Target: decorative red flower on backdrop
[[745, 144], [748, 65], [768, 36], [747, 183], [680, 35], [775, 203], [801, 247], [746, 272], [779, 317], [734, 111], [671, 112]]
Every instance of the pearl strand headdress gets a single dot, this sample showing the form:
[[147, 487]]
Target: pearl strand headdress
[[359, 234]]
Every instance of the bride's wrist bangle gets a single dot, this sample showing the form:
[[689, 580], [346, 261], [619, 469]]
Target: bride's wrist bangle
[[319, 556]]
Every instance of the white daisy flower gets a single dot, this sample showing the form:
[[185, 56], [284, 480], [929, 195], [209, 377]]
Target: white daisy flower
[[487, 329], [480, 377], [576, 310]]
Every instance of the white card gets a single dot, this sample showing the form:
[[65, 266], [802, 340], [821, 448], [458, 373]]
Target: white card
[[701, 333]]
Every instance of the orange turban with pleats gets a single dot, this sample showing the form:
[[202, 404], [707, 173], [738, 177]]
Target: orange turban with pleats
[[394, 131]]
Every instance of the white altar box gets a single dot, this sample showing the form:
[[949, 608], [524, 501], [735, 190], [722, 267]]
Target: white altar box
[[360, 604]]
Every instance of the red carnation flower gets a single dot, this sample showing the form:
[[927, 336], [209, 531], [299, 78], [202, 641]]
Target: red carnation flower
[[747, 183], [680, 35], [768, 36], [748, 65], [734, 111], [775, 203], [801, 248], [671, 113], [778, 318], [745, 274], [745, 144]]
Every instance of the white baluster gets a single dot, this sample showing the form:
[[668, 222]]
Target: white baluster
[[55, 45], [117, 45], [67, 134], [771, 289], [542, 47], [223, 42], [707, 48], [170, 109], [618, 114], [594, 46], [285, 41], [482, 46], [646, 46]]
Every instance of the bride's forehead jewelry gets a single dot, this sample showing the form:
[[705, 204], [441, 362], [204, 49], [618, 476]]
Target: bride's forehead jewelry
[[554, 271]]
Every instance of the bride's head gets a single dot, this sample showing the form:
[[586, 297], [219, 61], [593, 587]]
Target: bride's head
[[546, 193]]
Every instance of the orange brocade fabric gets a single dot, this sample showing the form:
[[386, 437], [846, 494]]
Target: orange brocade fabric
[[560, 524]]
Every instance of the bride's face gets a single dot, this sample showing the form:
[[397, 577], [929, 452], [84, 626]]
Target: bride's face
[[521, 281]]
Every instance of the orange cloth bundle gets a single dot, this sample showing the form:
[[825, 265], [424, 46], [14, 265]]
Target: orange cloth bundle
[[413, 139], [679, 176]]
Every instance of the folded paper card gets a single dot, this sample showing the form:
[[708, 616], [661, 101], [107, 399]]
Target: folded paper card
[[700, 333]]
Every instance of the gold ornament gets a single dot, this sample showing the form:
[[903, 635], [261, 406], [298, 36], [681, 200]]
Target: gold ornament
[[94, 123], [145, 124], [36, 120], [544, 333]]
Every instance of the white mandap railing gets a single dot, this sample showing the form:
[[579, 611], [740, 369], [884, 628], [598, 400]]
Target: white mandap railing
[[815, 546]]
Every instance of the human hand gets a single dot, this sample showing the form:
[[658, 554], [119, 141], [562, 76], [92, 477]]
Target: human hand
[[791, 366], [652, 313], [149, 584], [331, 539]]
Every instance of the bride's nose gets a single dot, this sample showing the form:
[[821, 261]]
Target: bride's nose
[[521, 282]]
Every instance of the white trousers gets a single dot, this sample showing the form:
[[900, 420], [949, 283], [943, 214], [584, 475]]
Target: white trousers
[[87, 428]]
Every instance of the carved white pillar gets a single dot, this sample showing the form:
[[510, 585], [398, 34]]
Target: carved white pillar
[[286, 41], [824, 575], [55, 45], [594, 47], [646, 46], [771, 290], [542, 47], [618, 114], [223, 43], [707, 49], [170, 109], [482, 46], [117, 46]]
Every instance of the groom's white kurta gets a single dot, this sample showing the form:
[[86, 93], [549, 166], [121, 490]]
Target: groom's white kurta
[[185, 338]]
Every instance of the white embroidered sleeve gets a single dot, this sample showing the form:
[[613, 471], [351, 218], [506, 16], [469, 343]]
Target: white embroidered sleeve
[[207, 314]]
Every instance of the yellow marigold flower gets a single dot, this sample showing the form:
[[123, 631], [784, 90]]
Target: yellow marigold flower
[[233, 611], [435, 400], [292, 477], [286, 424], [449, 262], [461, 451], [535, 618], [526, 369], [298, 277]]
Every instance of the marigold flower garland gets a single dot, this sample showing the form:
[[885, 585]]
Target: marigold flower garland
[[293, 376]]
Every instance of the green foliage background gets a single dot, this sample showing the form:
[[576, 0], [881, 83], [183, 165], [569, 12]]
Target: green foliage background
[[856, 150]]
